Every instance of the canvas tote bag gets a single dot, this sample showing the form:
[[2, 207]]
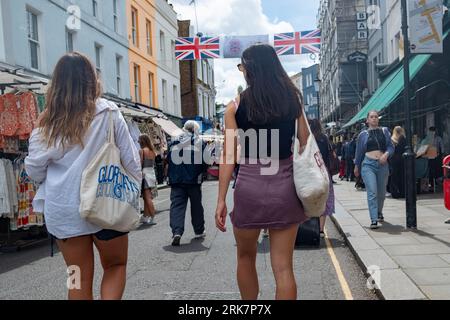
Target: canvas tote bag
[[311, 177], [109, 195]]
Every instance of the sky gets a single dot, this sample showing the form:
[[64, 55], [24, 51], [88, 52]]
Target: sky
[[249, 17]]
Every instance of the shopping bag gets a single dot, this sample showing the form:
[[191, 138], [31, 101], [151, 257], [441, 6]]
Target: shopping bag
[[109, 194]]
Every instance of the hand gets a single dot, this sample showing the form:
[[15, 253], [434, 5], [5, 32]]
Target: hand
[[356, 172], [384, 158], [221, 216]]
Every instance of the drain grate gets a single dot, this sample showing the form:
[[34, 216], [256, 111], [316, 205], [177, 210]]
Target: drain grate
[[202, 296]]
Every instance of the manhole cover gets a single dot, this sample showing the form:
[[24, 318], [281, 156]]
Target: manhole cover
[[202, 296]]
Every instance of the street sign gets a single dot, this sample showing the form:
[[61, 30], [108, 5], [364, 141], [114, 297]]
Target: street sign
[[426, 26], [357, 56]]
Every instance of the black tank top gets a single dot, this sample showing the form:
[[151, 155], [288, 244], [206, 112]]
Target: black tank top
[[376, 140], [252, 135]]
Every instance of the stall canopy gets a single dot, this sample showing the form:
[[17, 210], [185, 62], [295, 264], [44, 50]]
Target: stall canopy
[[391, 88], [168, 126]]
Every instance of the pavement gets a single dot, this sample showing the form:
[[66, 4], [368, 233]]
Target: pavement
[[404, 264], [197, 270]]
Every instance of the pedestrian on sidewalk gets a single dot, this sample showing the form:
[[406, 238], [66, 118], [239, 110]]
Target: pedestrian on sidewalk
[[264, 197], [69, 133], [186, 169], [149, 182], [373, 149], [322, 143], [349, 155], [397, 164]]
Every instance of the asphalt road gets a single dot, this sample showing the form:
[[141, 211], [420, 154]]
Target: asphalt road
[[198, 269]]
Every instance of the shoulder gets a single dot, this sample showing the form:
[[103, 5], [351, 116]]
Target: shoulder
[[102, 105], [363, 134]]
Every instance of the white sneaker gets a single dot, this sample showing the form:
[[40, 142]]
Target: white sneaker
[[200, 236], [151, 221]]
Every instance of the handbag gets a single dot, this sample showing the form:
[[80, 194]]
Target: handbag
[[334, 162], [311, 177], [109, 196]]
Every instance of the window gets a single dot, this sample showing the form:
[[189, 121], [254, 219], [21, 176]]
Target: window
[[33, 39], [174, 61], [150, 86], [164, 93], [148, 31], [175, 99], [69, 41], [118, 75], [137, 75], [98, 58], [134, 27], [162, 44], [94, 8], [116, 17]]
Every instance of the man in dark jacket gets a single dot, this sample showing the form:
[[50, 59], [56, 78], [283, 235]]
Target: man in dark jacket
[[349, 157], [185, 172]]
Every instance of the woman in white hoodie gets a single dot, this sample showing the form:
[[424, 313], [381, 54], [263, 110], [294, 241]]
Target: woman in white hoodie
[[69, 133]]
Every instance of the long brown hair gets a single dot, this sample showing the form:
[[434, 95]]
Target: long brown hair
[[316, 128], [145, 142], [70, 101]]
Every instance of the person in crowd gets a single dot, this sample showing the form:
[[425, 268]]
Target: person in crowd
[[373, 149], [185, 178], [262, 200], [69, 133], [342, 163], [149, 183], [434, 155], [397, 164], [322, 143], [349, 157], [333, 151]]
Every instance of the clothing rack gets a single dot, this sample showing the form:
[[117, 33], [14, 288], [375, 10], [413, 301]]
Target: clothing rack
[[13, 85]]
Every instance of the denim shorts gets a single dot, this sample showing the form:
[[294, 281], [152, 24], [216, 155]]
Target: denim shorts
[[103, 235]]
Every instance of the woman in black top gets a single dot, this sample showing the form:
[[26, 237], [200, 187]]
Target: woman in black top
[[264, 118]]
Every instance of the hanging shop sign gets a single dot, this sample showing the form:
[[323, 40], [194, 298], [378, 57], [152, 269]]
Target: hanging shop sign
[[290, 43], [425, 18]]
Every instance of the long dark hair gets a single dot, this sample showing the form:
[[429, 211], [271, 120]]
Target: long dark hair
[[145, 142], [316, 128], [70, 101], [271, 95]]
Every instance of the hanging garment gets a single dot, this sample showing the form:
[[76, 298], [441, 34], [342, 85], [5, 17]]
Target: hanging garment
[[134, 132], [2, 142], [5, 208], [41, 102], [9, 122], [27, 114]]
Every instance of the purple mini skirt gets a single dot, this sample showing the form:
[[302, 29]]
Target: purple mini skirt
[[266, 201]]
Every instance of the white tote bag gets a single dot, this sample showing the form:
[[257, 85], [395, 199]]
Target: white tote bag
[[109, 195], [311, 177]]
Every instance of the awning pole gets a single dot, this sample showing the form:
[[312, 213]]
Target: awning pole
[[409, 155]]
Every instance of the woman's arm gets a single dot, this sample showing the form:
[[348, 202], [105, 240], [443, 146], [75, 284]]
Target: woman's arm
[[227, 165]]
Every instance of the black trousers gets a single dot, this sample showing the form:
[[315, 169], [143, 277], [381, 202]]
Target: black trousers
[[179, 197], [350, 169]]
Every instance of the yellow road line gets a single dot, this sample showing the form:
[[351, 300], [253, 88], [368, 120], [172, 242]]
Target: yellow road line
[[344, 285]]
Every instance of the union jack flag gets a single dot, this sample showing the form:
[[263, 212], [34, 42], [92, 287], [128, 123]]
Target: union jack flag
[[197, 48], [297, 42]]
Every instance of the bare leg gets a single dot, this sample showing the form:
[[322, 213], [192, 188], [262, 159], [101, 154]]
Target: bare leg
[[148, 200], [79, 252], [113, 255], [247, 277], [323, 220], [282, 244]]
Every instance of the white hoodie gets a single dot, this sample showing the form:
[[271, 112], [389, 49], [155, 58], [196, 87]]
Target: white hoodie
[[60, 171]]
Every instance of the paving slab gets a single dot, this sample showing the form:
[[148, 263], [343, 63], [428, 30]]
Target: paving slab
[[421, 261], [429, 276]]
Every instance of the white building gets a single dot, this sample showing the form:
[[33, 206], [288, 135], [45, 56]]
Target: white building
[[168, 67], [206, 93]]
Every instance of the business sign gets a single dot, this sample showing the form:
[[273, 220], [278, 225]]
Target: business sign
[[357, 56], [425, 18]]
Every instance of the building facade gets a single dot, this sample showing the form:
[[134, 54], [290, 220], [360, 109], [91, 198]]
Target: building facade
[[142, 65], [297, 79], [310, 94], [198, 92], [36, 33], [343, 58], [168, 75]]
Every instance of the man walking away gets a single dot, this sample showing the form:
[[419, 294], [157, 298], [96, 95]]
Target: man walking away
[[186, 168]]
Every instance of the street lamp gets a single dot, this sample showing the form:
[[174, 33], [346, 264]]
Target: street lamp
[[409, 155], [317, 82]]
